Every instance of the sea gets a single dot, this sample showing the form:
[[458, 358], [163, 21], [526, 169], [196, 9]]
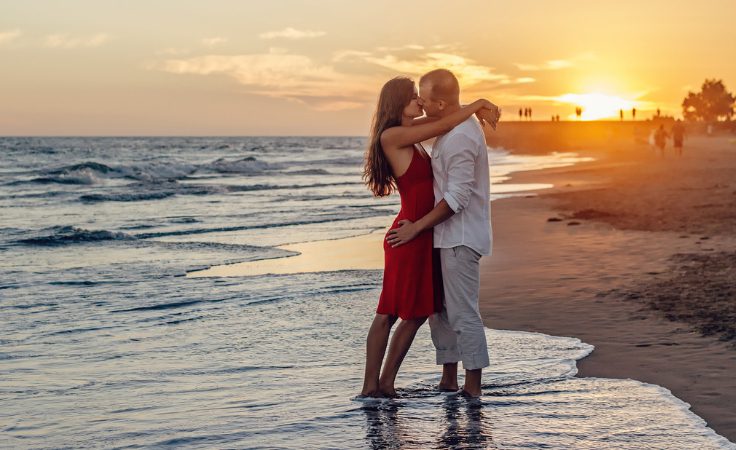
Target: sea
[[106, 343]]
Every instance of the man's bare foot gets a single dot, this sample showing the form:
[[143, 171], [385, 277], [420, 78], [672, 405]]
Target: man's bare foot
[[447, 387], [470, 393]]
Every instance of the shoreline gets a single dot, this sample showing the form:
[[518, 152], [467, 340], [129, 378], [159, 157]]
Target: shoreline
[[363, 252], [582, 273]]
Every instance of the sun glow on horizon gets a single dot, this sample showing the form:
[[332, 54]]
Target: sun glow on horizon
[[598, 106]]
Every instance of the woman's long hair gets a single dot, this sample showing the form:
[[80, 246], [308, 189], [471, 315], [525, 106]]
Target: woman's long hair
[[395, 95]]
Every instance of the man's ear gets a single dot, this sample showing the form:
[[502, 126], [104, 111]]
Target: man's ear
[[441, 105]]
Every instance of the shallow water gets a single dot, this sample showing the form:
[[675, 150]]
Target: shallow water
[[103, 342]]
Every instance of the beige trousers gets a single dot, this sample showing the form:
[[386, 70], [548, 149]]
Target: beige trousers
[[458, 333]]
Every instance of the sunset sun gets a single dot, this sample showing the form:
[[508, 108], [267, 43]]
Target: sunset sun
[[597, 106]]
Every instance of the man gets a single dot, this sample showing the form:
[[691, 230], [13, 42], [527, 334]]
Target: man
[[462, 232]]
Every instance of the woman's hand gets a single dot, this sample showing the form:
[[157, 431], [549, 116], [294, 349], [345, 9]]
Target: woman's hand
[[489, 113], [405, 233]]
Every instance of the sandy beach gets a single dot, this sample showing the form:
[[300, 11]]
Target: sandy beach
[[633, 254]]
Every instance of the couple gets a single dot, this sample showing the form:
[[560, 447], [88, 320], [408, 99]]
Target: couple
[[433, 249]]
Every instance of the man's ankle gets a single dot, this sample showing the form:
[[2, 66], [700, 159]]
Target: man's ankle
[[473, 383], [448, 385]]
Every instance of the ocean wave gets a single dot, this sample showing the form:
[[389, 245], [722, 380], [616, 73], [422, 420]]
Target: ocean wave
[[89, 172], [154, 191], [183, 220], [266, 187], [320, 197], [354, 161], [126, 197], [63, 235], [163, 306], [308, 172], [154, 172], [86, 283], [323, 219], [92, 165], [92, 172], [158, 172], [240, 249], [244, 166], [147, 191]]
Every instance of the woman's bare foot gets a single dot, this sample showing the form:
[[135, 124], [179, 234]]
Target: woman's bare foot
[[388, 391], [374, 394]]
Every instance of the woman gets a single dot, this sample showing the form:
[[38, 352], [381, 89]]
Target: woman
[[395, 160]]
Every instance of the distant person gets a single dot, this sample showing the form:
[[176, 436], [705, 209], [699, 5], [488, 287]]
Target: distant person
[[395, 160], [558, 117], [520, 113], [621, 114], [633, 113], [678, 135], [659, 113], [660, 139], [530, 114]]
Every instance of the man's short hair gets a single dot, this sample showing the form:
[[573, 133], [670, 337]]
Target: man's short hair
[[444, 85]]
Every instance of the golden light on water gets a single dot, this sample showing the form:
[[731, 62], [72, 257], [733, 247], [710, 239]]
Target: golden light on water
[[597, 106]]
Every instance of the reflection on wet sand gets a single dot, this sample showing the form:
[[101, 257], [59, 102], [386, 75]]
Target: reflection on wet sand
[[465, 425]]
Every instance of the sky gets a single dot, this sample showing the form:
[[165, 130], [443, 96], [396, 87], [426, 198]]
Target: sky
[[315, 67]]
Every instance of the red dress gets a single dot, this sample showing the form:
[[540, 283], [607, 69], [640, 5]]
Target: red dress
[[412, 281]]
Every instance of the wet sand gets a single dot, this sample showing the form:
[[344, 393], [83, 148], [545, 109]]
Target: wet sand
[[354, 253]]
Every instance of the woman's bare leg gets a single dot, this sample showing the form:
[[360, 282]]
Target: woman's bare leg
[[400, 343], [375, 349]]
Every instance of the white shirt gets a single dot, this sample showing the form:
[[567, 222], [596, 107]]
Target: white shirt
[[460, 167]]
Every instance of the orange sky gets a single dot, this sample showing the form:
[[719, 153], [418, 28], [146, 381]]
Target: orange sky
[[186, 67]]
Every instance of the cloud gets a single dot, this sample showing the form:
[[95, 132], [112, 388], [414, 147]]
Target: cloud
[[415, 60], [7, 37], [557, 64], [349, 79], [349, 54], [213, 41], [68, 42], [172, 51], [282, 75], [291, 33], [467, 71], [554, 64], [524, 80], [272, 71], [328, 104], [403, 47]]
